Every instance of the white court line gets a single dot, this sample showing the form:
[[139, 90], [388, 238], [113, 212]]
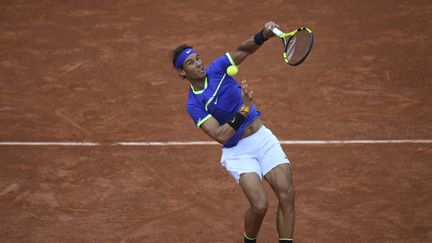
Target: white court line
[[188, 143], [357, 141], [49, 144], [171, 143], [306, 142]]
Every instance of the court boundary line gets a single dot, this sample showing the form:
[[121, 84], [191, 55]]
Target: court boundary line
[[190, 143]]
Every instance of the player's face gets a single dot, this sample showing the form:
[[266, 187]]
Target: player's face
[[193, 67]]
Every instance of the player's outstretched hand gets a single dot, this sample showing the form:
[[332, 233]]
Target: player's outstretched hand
[[246, 96]]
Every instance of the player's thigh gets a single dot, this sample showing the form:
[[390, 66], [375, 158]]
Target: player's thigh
[[280, 180], [254, 191]]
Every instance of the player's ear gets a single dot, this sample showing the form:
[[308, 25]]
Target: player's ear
[[181, 73]]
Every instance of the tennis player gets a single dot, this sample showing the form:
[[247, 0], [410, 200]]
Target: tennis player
[[224, 110]]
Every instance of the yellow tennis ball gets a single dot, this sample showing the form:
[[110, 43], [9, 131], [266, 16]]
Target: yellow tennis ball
[[232, 70]]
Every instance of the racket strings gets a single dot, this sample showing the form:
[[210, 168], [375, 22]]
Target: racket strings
[[298, 47], [291, 48]]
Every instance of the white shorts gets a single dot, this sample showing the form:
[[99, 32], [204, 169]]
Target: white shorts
[[259, 153]]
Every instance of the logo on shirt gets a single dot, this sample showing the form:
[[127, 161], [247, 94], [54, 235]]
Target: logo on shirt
[[216, 101]]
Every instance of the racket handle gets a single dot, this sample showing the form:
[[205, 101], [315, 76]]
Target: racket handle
[[277, 31]]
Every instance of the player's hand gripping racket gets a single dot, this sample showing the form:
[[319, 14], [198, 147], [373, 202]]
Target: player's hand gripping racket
[[297, 44]]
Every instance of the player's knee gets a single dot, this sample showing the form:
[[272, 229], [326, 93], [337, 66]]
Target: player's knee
[[287, 197], [260, 206]]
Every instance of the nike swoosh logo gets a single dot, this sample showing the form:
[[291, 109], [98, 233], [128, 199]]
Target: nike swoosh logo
[[188, 51], [216, 101], [233, 120]]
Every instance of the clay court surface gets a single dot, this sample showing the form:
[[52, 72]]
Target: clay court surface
[[99, 71]]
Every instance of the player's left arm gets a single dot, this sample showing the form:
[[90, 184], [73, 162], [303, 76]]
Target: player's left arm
[[249, 46]]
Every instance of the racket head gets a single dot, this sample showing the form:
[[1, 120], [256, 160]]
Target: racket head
[[297, 46]]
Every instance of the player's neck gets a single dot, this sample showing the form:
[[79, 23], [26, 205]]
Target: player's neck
[[197, 84]]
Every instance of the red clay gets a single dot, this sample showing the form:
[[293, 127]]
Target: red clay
[[100, 71]]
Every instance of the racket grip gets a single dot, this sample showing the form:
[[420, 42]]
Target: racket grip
[[276, 31]]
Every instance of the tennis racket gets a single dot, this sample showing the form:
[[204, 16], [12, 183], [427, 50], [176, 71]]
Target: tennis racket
[[297, 44]]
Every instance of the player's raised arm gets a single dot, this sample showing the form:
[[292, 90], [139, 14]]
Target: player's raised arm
[[252, 44]]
